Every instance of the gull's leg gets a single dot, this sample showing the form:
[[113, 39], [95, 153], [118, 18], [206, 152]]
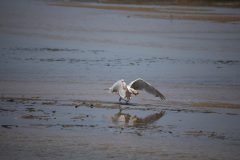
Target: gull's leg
[[120, 110]]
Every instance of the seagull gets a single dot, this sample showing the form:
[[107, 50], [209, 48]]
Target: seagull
[[126, 91]]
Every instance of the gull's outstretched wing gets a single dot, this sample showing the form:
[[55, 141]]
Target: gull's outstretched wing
[[140, 84], [115, 87]]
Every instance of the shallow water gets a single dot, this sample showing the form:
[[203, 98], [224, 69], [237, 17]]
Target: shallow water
[[89, 129], [58, 62]]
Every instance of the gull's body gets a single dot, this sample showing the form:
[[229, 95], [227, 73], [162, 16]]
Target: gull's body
[[126, 91]]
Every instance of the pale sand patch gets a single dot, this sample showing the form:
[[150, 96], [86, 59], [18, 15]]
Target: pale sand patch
[[162, 13]]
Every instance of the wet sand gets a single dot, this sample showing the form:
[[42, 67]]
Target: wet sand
[[58, 59], [37, 128]]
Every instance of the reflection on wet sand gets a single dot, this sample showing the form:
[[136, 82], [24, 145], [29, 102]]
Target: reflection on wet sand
[[128, 119]]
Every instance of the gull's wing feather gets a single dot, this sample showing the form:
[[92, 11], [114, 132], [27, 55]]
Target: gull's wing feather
[[140, 84], [115, 87]]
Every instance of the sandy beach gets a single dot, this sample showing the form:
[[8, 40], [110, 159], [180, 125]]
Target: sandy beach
[[58, 60]]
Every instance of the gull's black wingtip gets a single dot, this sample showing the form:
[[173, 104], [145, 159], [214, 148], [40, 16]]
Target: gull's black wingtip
[[162, 97]]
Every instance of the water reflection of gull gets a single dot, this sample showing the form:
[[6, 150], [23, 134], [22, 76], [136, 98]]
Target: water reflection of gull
[[126, 91], [135, 120]]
